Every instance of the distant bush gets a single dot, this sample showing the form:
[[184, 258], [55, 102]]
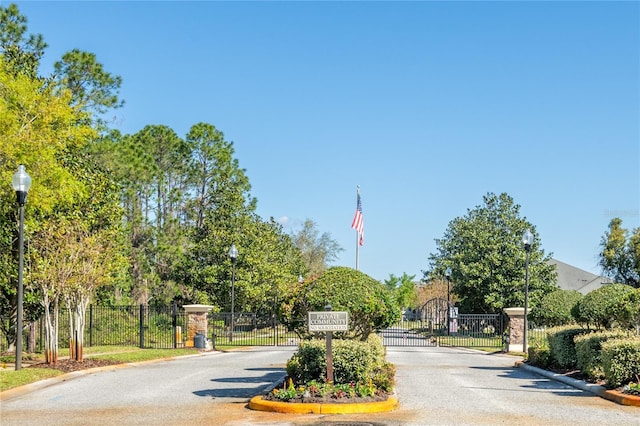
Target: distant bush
[[554, 308], [588, 352], [621, 361], [598, 307]]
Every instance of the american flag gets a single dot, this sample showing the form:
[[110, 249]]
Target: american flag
[[358, 221]]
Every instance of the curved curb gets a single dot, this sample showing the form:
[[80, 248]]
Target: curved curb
[[601, 391], [258, 404]]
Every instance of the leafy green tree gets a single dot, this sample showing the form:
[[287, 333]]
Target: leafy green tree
[[152, 167], [318, 250], [620, 256], [627, 312], [487, 258], [554, 308], [369, 303], [403, 289], [217, 182], [38, 128], [598, 307], [21, 53]]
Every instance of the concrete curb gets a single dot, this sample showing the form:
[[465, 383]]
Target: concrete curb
[[598, 390], [258, 404]]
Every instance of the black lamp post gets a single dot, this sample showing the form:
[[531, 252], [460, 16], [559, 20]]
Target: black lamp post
[[233, 254], [527, 240], [447, 274], [21, 184]]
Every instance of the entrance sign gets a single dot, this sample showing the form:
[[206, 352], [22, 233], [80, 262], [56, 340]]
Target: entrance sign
[[329, 321]]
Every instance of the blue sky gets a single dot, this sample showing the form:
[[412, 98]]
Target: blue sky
[[428, 106]]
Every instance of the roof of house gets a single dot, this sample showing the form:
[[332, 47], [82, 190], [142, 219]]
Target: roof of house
[[572, 278]]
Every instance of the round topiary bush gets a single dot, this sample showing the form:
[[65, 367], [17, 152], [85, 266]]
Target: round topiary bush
[[597, 307], [369, 303], [554, 308]]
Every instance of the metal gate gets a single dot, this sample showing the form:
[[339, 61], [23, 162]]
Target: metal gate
[[437, 323]]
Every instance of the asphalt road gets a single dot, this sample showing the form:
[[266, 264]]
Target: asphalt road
[[435, 386]]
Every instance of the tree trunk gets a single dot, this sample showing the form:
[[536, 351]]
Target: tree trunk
[[51, 331], [31, 341]]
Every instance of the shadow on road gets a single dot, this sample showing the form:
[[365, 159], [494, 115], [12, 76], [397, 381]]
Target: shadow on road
[[263, 382], [536, 382]]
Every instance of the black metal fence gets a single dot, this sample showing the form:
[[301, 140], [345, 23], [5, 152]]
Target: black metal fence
[[166, 327], [141, 325], [249, 329]]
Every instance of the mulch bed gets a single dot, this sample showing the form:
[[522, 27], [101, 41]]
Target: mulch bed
[[382, 396], [70, 365]]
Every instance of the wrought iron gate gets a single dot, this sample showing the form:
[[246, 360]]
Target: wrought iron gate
[[438, 323]]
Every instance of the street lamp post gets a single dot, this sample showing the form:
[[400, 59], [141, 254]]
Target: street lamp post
[[447, 274], [233, 254], [527, 240], [21, 184]]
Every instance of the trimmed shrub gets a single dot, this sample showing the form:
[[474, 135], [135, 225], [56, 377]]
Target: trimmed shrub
[[539, 351], [370, 304], [597, 308], [562, 346], [554, 308], [627, 312], [588, 352], [353, 361], [621, 361]]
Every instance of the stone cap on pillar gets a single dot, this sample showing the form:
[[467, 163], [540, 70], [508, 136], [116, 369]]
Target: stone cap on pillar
[[515, 312], [197, 308]]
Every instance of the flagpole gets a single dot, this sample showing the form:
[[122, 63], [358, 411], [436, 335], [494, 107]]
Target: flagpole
[[357, 251], [358, 236]]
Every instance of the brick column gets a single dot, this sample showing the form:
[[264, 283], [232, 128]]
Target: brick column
[[516, 329], [197, 315]]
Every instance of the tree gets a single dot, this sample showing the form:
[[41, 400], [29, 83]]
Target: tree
[[93, 89], [21, 54], [620, 256], [318, 251], [92, 259], [369, 303], [403, 290], [38, 128], [555, 308], [487, 259], [599, 307]]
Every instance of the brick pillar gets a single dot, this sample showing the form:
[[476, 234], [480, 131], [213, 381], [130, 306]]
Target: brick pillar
[[197, 315], [516, 329]]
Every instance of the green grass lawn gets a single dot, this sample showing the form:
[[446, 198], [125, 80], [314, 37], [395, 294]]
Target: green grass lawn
[[122, 354]]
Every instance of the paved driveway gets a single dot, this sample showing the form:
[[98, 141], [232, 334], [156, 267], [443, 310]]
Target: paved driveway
[[436, 386]]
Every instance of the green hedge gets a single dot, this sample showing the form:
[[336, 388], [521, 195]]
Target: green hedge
[[354, 361], [588, 352], [621, 361], [562, 346], [539, 353]]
